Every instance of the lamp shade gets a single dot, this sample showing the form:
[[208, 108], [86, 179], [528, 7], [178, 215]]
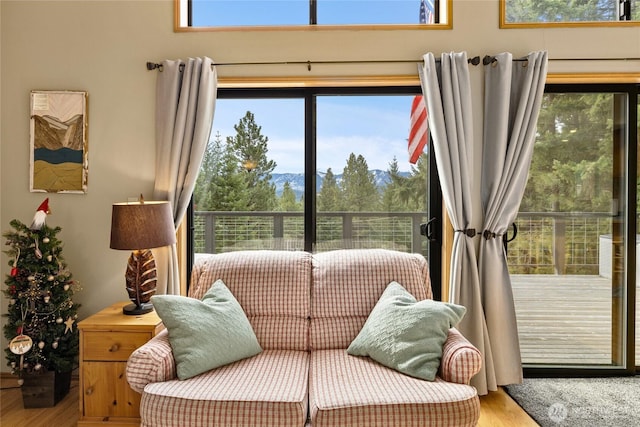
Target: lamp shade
[[142, 225]]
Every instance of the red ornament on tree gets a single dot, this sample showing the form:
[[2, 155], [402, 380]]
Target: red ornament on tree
[[14, 267]]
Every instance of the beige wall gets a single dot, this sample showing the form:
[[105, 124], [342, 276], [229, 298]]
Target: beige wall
[[102, 47]]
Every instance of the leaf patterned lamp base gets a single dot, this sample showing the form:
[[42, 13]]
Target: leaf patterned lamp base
[[140, 282]]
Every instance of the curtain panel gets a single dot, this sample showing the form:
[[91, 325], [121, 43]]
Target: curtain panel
[[185, 103], [513, 96], [446, 89]]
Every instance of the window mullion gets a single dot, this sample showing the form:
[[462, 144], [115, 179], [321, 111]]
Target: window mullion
[[310, 215], [313, 12], [624, 10]]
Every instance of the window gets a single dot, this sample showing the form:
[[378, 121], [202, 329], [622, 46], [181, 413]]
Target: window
[[315, 170], [569, 263], [229, 14], [516, 13]]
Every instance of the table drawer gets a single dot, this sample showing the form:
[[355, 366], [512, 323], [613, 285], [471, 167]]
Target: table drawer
[[111, 345]]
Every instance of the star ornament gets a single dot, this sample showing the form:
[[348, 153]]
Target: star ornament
[[69, 325]]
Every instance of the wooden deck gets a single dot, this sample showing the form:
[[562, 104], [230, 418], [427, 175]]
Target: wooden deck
[[563, 319]]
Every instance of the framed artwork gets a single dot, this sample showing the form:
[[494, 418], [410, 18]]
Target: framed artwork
[[58, 128]]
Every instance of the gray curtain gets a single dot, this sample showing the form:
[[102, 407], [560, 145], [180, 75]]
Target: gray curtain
[[513, 95], [447, 92], [185, 102]]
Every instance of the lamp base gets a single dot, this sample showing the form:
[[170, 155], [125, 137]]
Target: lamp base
[[140, 279], [134, 310]]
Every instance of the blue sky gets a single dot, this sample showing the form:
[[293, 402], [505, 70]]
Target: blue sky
[[377, 127], [296, 12]]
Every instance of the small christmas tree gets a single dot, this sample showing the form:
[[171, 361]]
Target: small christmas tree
[[41, 318]]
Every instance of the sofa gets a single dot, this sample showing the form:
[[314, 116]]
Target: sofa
[[305, 310]]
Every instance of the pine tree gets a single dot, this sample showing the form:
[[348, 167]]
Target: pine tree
[[329, 198], [251, 148], [288, 200], [227, 188], [211, 164], [573, 156], [396, 193], [418, 184], [41, 327], [358, 185]]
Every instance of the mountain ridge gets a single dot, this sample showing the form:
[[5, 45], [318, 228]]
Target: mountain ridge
[[296, 180]]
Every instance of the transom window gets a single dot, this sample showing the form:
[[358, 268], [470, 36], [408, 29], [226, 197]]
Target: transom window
[[515, 13], [228, 14]]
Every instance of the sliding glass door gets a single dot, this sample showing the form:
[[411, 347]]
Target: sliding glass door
[[569, 261]]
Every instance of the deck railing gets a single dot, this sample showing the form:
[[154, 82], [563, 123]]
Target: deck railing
[[558, 242], [231, 231], [547, 242]]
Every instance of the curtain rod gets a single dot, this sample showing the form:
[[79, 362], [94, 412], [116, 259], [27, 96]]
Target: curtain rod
[[486, 60], [473, 61]]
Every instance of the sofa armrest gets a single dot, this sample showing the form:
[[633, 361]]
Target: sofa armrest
[[152, 362], [460, 359]]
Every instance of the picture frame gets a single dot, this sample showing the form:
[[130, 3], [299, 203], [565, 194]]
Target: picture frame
[[58, 141]]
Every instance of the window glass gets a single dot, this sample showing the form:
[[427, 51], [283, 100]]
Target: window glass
[[347, 12], [220, 13], [567, 263], [555, 12], [248, 194], [231, 13], [369, 195], [252, 189]]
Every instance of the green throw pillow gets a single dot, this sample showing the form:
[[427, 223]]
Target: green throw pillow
[[406, 335], [208, 333]]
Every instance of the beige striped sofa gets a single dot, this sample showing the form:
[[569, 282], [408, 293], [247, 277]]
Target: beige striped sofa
[[305, 309]]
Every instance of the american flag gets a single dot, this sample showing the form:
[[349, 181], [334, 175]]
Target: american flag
[[419, 132]]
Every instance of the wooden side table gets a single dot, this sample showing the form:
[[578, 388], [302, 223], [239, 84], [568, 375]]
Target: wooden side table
[[106, 340]]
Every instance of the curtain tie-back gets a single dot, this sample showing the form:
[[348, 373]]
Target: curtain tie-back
[[488, 234], [470, 232]]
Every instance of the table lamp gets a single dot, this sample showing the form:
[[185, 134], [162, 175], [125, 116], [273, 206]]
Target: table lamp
[[139, 227]]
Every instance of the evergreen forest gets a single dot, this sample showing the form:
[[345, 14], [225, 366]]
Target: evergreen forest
[[236, 176]]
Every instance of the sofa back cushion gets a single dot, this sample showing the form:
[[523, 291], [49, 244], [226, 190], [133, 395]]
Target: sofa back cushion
[[348, 283], [273, 288]]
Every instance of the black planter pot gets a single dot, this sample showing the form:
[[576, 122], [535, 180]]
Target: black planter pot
[[46, 389]]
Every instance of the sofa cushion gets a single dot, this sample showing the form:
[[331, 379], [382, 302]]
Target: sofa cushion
[[273, 288], [208, 333], [267, 390], [347, 285], [407, 335], [352, 391]]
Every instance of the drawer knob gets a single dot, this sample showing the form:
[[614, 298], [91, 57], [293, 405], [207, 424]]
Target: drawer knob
[[114, 348], [89, 391]]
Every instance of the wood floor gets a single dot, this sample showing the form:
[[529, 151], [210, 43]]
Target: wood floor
[[497, 410], [64, 414]]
